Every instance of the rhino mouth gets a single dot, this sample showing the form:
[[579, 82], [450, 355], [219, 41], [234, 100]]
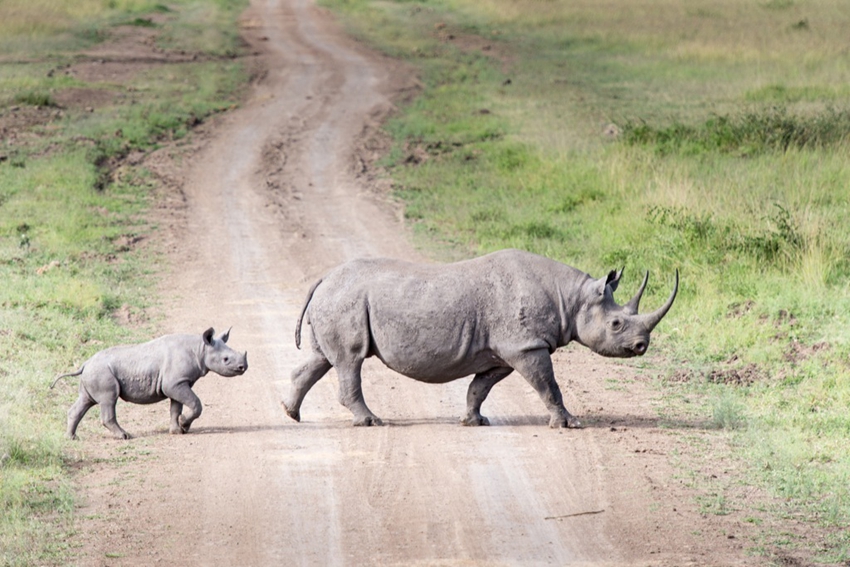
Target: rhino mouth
[[236, 370], [631, 351]]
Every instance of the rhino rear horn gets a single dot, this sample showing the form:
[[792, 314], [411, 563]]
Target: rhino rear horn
[[650, 320], [634, 303]]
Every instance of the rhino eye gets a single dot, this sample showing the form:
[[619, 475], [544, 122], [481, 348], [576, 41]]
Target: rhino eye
[[616, 324], [226, 360]]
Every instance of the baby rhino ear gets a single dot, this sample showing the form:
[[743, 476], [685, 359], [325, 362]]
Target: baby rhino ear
[[225, 335], [208, 336]]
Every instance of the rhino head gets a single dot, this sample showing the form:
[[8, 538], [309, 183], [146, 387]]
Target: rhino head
[[616, 330], [220, 358]]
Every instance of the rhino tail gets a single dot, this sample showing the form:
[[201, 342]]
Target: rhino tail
[[77, 373], [303, 311]]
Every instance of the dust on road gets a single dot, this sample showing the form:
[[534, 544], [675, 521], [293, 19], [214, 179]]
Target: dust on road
[[275, 196]]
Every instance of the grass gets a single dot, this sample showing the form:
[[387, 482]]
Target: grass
[[706, 136], [69, 207]]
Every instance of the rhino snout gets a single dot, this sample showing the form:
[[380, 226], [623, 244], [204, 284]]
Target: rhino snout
[[240, 365], [232, 365], [639, 348]]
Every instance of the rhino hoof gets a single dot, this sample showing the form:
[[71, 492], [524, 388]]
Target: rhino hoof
[[475, 421], [567, 422], [368, 421], [294, 414]]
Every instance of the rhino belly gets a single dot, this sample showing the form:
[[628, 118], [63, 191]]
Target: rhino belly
[[141, 392], [141, 397], [437, 367], [429, 346]]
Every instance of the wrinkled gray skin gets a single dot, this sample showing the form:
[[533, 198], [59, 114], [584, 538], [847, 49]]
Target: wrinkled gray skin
[[147, 373], [486, 317]]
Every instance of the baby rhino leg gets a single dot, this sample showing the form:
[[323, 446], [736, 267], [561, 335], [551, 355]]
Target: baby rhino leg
[[102, 386], [75, 414], [182, 397]]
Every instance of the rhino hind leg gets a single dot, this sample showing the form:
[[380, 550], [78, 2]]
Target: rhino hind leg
[[107, 416], [103, 388], [536, 367], [303, 378], [76, 412], [478, 390], [351, 394]]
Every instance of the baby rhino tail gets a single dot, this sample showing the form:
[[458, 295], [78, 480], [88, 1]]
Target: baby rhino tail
[[77, 373]]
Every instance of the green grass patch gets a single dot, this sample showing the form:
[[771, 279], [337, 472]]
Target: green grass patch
[[709, 137], [71, 217], [40, 99], [747, 134]]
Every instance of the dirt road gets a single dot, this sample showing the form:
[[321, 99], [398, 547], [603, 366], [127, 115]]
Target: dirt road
[[274, 197]]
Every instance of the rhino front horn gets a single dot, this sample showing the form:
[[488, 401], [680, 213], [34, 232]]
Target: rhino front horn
[[650, 320]]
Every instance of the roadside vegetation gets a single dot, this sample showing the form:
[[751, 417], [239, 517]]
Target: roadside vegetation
[[711, 137], [72, 215]]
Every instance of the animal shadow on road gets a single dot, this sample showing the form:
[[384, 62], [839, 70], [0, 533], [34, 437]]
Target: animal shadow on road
[[593, 421], [604, 421], [608, 420], [209, 430]]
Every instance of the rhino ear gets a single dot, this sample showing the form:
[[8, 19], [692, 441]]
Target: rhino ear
[[600, 285], [208, 336], [225, 335], [613, 279]]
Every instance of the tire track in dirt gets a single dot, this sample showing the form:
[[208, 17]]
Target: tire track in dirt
[[273, 199]]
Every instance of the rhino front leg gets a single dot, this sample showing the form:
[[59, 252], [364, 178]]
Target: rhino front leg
[[536, 367], [479, 388], [182, 394], [303, 378], [351, 394]]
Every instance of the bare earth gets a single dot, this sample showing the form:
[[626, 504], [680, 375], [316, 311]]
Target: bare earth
[[276, 193]]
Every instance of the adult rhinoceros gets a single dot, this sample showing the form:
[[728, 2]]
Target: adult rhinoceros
[[489, 316]]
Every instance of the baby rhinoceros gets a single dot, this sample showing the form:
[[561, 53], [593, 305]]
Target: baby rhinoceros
[[150, 372]]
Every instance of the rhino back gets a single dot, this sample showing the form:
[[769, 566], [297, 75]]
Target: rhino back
[[440, 322]]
